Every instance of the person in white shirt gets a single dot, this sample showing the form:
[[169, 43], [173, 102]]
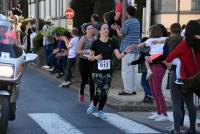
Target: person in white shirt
[[156, 44], [71, 46], [32, 36]]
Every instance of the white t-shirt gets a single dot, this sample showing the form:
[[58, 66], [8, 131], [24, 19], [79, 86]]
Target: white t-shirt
[[72, 50], [32, 36], [155, 48]]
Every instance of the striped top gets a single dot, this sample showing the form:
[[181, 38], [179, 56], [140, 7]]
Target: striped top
[[131, 30]]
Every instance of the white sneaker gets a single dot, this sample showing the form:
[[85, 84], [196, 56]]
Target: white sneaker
[[51, 69], [153, 117], [65, 84], [149, 74], [102, 115], [162, 117], [47, 67]]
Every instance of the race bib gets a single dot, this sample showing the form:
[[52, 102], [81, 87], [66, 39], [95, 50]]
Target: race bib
[[104, 65], [5, 56], [86, 53]]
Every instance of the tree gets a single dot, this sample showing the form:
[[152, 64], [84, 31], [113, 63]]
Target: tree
[[83, 10], [102, 6]]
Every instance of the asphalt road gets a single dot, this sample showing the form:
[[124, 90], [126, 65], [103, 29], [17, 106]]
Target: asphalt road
[[44, 108]]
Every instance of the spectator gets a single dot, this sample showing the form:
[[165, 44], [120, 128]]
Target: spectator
[[176, 95], [130, 34], [71, 46], [95, 22], [32, 36], [142, 69], [158, 71], [52, 57], [118, 12], [183, 30], [47, 32], [188, 68]]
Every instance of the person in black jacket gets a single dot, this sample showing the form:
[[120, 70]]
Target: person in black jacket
[[142, 69]]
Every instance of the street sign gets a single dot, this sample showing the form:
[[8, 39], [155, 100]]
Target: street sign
[[69, 24], [69, 13]]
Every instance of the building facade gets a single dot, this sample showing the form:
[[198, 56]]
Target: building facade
[[169, 11], [165, 12], [53, 8]]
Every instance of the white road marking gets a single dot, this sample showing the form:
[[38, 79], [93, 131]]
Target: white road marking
[[127, 125], [52, 123]]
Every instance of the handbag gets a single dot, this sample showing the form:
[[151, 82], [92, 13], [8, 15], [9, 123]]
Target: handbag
[[192, 84]]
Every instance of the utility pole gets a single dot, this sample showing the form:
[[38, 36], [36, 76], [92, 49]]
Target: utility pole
[[59, 13], [178, 11], [148, 16], [124, 5]]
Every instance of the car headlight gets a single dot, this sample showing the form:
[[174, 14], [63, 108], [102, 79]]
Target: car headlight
[[6, 70]]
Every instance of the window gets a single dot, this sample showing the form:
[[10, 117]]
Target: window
[[168, 6], [165, 5], [195, 5]]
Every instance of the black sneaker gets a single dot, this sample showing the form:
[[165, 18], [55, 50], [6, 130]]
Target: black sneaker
[[147, 100], [59, 75], [179, 81]]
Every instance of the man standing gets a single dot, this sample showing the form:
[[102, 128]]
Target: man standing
[[47, 32], [130, 34]]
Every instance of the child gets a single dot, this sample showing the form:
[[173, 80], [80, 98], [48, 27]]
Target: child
[[156, 43]]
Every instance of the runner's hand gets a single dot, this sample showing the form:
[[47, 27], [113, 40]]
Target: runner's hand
[[99, 57], [129, 64]]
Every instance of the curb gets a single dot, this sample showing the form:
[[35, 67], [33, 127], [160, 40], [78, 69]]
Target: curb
[[111, 101]]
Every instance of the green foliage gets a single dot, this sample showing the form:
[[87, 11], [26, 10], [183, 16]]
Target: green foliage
[[59, 30], [37, 42]]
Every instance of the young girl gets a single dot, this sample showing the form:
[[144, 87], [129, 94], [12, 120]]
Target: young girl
[[85, 66]]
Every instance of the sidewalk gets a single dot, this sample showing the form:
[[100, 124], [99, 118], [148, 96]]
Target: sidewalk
[[115, 101]]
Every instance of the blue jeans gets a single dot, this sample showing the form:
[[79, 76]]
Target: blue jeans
[[48, 52], [52, 60], [62, 63], [145, 84]]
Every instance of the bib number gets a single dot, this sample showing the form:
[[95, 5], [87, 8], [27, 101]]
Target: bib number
[[5, 56], [86, 53], [104, 65]]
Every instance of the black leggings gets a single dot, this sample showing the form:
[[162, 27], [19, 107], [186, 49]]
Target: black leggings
[[178, 100], [85, 68], [102, 83], [68, 72]]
